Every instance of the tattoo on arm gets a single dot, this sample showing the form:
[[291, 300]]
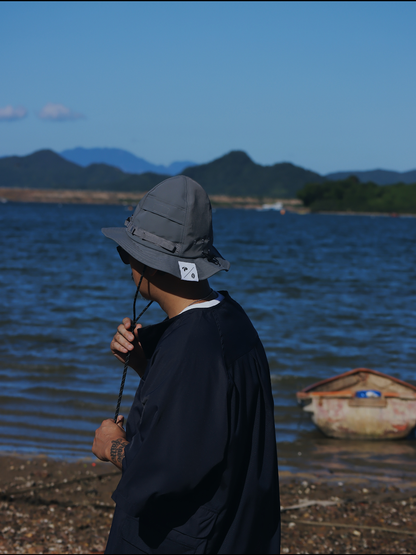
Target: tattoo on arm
[[117, 451]]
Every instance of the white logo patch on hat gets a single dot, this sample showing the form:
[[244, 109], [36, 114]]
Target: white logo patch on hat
[[188, 271]]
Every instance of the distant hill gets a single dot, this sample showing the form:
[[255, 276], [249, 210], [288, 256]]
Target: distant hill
[[121, 159], [47, 170], [351, 195], [380, 177], [236, 174]]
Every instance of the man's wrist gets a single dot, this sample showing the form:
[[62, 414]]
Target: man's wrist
[[116, 451]]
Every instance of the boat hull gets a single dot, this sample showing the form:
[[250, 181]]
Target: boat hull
[[346, 419], [361, 404]]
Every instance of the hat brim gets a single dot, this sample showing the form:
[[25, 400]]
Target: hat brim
[[162, 261]]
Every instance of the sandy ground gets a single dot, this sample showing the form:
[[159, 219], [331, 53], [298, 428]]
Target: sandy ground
[[69, 196], [50, 506], [72, 196]]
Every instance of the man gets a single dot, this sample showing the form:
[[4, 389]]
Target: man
[[199, 452]]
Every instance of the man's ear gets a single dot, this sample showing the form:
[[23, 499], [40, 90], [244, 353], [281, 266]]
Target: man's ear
[[151, 272]]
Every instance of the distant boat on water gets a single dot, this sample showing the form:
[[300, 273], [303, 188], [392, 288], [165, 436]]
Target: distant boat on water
[[361, 404], [275, 206]]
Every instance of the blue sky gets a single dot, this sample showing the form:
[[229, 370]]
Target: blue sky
[[327, 86]]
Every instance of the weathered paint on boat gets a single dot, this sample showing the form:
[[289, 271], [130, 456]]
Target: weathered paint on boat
[[338, 412]]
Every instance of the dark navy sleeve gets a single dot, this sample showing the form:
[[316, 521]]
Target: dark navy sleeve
[[181, 425]]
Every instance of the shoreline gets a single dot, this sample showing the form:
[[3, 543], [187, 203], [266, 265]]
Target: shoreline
[[348, 476], [125, 198], [65, 507], [69, 196]]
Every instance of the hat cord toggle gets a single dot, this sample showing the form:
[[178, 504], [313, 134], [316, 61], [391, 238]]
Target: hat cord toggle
[[206, 253], [126, 363]]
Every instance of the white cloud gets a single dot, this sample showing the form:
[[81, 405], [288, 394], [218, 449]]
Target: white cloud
[[8, 113], [58, 112]]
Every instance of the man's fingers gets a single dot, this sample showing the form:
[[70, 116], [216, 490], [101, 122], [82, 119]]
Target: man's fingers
[[124, 338], [124, 343], [120, 421], [116, 347], [125, 333]]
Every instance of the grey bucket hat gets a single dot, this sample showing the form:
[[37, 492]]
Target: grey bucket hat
[[171, 231]]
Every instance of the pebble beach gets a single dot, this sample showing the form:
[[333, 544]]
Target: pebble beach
[[56, 506]]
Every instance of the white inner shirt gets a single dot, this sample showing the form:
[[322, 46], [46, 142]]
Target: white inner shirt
[[206, 304]]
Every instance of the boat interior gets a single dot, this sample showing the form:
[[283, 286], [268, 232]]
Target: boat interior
[[349, 383]]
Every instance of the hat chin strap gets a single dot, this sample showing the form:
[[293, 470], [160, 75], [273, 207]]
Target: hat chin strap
[[126, 363]]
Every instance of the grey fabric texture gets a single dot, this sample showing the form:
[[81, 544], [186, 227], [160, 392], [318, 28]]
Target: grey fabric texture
[[172, 224]]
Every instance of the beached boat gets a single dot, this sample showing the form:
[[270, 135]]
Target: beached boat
[[361, 404]]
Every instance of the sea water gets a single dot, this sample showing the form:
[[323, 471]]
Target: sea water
[[326, 293]]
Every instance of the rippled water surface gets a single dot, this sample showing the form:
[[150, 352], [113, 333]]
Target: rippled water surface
[[326, 294]]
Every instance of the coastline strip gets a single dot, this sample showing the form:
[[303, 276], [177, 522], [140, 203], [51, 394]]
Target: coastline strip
[[77, 196]]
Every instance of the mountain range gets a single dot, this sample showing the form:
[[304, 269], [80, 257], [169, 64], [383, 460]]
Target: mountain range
[[129, 163], [45, 169], [121, 159], [233, 174], [236, 174]]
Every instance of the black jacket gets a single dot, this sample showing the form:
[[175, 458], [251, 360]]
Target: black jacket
[[200, 472]]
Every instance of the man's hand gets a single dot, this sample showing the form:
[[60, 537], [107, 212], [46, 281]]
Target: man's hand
[[125, 342], [110, 441]]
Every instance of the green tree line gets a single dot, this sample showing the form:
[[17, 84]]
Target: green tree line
[[351, 195]]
